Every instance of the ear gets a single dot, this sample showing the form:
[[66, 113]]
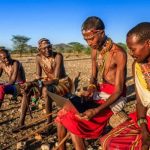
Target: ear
[[148, 43], [102, 33]]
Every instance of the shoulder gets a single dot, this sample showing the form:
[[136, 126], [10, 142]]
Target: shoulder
[[16, 62], [58, 55], [1, 65], [119, 51], [38, 57]]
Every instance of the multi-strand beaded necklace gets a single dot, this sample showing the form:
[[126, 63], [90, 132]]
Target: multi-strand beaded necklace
[[102, 57]]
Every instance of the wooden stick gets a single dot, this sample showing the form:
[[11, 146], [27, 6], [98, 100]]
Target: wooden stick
[[27, 136], [35, 120], [62, 141]]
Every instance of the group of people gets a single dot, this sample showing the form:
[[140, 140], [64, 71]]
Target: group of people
[[105, 95]]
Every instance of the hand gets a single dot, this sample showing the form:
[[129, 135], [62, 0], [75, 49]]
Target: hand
[[88, 94], [88, 114], [25, 86]]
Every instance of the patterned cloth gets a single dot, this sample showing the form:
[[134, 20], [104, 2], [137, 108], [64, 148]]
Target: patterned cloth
[[127, 136], [63, 87]]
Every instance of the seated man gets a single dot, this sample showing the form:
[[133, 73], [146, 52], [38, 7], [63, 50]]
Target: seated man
[[56, 80], [14, 70], [108, 78], [135, 133]]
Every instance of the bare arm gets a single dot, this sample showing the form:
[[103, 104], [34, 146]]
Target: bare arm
[[121, 60], [38, 68], [58, 59], [13, 77], [94, 66]]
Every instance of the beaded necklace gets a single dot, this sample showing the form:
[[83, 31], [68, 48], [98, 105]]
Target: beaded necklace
[[146, 73], [102, 57]]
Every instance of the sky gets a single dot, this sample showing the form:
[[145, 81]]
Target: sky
[[61, 20]]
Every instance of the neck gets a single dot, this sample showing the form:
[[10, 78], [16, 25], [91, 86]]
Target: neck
[[148, 60], [106, 46], [101, 44]]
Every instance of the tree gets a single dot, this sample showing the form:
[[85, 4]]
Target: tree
[[20, 43], [87, 50], [77, 47]]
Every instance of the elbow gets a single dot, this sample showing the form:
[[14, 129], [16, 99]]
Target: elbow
[[119, 92]]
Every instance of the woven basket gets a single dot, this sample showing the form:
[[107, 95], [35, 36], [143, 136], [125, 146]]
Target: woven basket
[[117, 119]]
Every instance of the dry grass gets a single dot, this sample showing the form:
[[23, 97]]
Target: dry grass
[[9, 115]]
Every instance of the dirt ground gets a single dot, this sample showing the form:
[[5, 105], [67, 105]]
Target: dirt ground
[[9, 113]]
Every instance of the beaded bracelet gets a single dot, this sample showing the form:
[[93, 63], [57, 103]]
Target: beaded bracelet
[[92, 86], [141, 121]]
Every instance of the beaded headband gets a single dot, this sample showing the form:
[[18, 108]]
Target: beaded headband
[[89, 34]]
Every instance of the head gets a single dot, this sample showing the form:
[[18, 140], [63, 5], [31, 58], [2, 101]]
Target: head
[[138, 42], [45, 47], [5, 56], [93, 32]]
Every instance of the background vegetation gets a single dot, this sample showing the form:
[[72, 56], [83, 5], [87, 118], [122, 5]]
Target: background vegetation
[[21, 46]]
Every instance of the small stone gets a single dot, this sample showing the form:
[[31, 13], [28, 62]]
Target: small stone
[[38, 137], [99, 148], [45, 147], [21, 145], [44, 111]]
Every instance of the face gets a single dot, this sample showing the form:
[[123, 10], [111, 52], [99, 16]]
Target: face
[[94, 38], [45, 48], [140, 51], [5, 58]]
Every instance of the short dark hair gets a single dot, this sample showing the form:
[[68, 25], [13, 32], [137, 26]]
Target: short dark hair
[[3, 50], [44, 39], [141, 30], [93, 22]]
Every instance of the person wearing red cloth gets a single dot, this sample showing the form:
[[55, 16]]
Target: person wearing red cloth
[[105, 91], [135, 133]]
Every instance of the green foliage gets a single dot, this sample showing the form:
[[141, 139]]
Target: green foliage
[[20, 43], [124, 46], [87, 50], [77, 47]]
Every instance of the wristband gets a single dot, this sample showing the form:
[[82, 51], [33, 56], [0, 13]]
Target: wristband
[[92, 86], [40, 83], [141, 121]]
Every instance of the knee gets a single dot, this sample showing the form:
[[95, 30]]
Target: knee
[[23, 92]]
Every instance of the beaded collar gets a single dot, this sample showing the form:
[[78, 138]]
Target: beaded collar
[[106, 46], [146, 73], [102, 57]]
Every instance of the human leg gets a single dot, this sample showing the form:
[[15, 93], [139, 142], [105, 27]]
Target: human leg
[[24, 107], [61, 132], [48, 103], [78, 142]]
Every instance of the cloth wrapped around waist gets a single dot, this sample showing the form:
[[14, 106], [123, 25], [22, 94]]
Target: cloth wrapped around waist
[[63, 87], [106, 90]]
